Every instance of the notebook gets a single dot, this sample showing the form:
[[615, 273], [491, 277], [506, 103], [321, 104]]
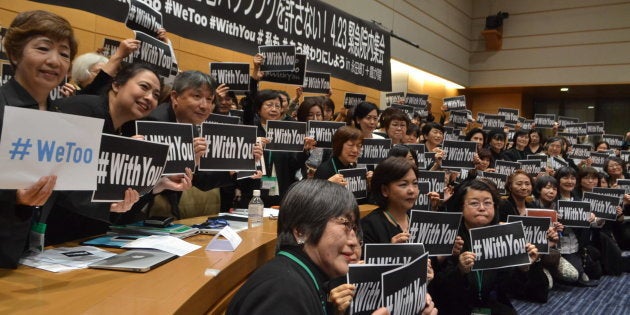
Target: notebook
[[135, 260], [237, 223]]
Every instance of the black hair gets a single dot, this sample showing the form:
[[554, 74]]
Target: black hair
[[388, 170], [359, 112], [130, 70], [541, 183], [401, 150], [309, 212], [431, 125]]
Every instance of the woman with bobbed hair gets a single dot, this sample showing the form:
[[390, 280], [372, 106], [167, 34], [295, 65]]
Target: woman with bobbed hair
[[364, 116], [457, 289], [395, 125], [317, 238], [347, 143], [394, 188], [616, 169], [40, 47]]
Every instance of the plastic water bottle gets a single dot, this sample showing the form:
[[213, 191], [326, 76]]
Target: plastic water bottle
[[255, 210]]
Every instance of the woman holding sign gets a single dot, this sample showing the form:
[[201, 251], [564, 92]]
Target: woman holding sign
[[40, 46], [347, 143], [458, 289]]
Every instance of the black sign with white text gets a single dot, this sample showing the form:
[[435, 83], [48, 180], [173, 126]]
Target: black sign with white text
[[493, 122], [154, 52], [285, 136], [223, 119], [499, 246], [374, 150], [127, 163], [578, 129], [498, 179], [571, 137], [435, 230], [293, 77], [233, 74], [110, 46], [179, 138], [511, 114], [417, 100], [595, 128], [614, 141], [598, 159], [409, 110], [539, 157], [531, 167], [357, 181], [230, 147], [404, 289], [422, 202], [613, 192], [455, 103], [580, 151], [323, 131], [316, 82], [544, 120], [277, 58], [367, 282], [394, 98], [436, 180], [459, 118], [574, 213], [506, 167], [419, 149], [392, 253], [144, 18], [459, 154], [563, 121], [352, 99], [535, 230], [603, 206]]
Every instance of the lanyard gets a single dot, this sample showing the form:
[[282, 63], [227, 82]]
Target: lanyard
[[479, 276], [301, 263], [392, 218], [334, 166]]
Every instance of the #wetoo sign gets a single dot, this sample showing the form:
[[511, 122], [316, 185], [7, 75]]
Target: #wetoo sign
[[392, 253], [142, 17], [498, 179], [493, 122], [595, 128], [574, 213], [277, 58], [374, 150], [614, 141], [404, 289], [422, 202], [436, 180], [499, 246], [367, 283], [223, 119], [535, 230], [580, 151], [127, 163], [435, 230], [510, 114], [233, 74], [455, 103], [287, 136], [544, 120], [316, 82], [323, 131], [293, 77], [459, 154], [230, 147], [38, 143], [357, 181], [507, 167], [531, 167], [352, 99], [603, 206], [179, 138], [154, 52]]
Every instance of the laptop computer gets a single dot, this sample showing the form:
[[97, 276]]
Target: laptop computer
[[135, 260]]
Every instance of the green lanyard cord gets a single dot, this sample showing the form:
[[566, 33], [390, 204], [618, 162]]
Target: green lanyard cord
[[334, 166], [301, 263], [479, 276]]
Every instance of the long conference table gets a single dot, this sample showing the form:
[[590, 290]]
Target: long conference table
[[201, 282]]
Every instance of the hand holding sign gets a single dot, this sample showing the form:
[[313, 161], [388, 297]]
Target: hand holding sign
[[38, 193], [131, 197], [174, 182]]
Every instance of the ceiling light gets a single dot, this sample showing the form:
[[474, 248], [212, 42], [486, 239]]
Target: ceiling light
[[590, 107], [564, 89]]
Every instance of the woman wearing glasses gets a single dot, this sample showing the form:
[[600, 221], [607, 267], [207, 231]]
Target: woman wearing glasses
[[457, 289], [396, 126]]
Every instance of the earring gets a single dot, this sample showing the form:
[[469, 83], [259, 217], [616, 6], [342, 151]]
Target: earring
[[300, 241]]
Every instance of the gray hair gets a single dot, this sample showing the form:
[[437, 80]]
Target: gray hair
[[192, 79], [82, 64]]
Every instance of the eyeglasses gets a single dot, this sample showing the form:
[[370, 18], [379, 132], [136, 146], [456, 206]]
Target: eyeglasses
[[272, 105], [476, 204], [348, 225]]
